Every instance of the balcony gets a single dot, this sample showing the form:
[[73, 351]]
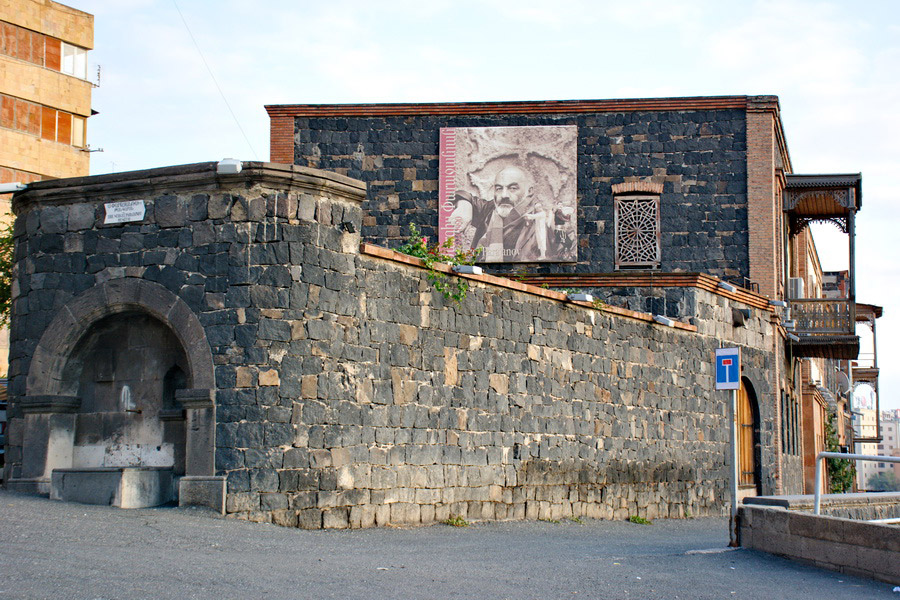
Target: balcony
[[825, 327]]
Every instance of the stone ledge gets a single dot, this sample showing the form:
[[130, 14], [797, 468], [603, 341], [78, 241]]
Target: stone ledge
[[201, 176], [123, 487], [196, 398], [46, 404], [833, 543], [807, 501]]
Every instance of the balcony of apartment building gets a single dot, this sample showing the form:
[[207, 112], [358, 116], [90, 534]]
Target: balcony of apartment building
[[822, 321], [864, 372]]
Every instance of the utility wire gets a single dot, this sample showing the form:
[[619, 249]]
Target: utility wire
[[218, 87]]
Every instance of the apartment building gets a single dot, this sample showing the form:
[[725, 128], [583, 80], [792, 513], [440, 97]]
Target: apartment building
[[45, 98]]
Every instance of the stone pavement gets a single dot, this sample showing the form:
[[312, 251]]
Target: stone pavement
[[52, 549]]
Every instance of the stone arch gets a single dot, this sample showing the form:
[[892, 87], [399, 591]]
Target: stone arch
[[52, 405], [45, 375]]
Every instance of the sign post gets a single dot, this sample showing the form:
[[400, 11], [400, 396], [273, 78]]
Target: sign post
[[728, 377]]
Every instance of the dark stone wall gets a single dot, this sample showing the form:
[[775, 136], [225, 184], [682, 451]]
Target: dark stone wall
[[699, 156], [350, 393]]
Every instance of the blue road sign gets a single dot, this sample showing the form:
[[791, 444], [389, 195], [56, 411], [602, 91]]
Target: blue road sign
[[728, 368]]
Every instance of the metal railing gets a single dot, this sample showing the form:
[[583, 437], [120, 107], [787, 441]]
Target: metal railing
[[822, 316], [823, 455]]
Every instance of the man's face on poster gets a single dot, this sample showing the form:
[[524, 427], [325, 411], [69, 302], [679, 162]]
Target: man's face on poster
[[511, 187]]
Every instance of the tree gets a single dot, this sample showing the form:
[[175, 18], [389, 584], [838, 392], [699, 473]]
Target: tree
[[841, 471], [7, 262], [883, 482]]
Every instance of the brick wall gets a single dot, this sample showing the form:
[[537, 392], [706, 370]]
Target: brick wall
[[762, 211]]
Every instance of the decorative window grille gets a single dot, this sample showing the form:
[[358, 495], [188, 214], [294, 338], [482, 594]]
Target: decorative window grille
[[637, 232]]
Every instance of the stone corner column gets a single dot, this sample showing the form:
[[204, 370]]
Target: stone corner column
[[47, 442], [200, 431]]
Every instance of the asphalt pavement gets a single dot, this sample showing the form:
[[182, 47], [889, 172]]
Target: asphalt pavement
[[51, 549]]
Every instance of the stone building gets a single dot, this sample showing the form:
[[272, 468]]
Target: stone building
[[45, 97], [227, 338], [240, 335], [728, 208]]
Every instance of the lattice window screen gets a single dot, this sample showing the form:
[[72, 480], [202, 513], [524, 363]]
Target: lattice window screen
[[637, 231]]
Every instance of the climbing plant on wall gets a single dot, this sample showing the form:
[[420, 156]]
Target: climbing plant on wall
[[7, 260], [454, 289]]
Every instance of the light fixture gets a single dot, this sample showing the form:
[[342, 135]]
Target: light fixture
[[727, 286], [580, 297], [664, 320], [228, 166], [9, 188], [348, 226], [468, 269]]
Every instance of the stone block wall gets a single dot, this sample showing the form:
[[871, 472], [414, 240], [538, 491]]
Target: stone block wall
[[699, 156], [349, 393], [839, 544]]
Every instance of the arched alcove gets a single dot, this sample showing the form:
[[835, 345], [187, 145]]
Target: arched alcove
[[126, 371], [121, 378]]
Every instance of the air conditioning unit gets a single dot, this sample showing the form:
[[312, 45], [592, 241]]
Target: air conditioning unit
[[795, 288]]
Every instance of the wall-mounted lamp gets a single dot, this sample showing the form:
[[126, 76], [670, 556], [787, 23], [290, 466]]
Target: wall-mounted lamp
[[9, 188], [348, 226], [664, 320], [228, 166], [468, 269], [727, 286], [579, 297]]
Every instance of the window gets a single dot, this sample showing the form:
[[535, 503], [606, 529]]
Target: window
[[78, 131], [637, 231], [74, 61], [790, 432]]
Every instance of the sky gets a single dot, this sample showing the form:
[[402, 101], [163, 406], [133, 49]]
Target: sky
[[185, 81]]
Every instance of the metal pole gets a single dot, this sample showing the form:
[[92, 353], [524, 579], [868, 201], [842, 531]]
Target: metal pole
[[842, 455], [818, 489], [734, 471]]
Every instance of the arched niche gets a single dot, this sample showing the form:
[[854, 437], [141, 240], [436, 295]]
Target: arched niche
[[125, 360]]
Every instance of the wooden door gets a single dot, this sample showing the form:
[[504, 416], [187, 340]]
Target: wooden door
[[746, 438]]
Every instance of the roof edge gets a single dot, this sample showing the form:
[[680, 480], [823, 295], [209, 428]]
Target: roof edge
[[185, 177], [689, 103]]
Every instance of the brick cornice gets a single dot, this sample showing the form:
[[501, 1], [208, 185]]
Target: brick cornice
[[630, 187], [524, 107], [653, 280]]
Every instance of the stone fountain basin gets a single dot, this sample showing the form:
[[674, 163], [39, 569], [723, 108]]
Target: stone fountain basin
[[123, 487]]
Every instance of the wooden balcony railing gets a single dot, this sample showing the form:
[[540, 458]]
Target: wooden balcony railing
[[823, 316]]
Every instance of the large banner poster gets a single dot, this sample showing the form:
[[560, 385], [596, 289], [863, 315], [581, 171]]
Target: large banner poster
[[510, 191]]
